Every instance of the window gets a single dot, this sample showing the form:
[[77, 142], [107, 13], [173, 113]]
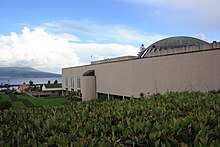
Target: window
[[78, 82], [72, 82], [66, 81]]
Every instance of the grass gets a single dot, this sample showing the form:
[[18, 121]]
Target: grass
[[15, 104], [36, 101], [44, 101], [4, 97]]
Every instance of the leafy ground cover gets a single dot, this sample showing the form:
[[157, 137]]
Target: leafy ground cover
[[172, 119]]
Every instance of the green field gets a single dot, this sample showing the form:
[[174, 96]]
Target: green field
[[15, 105], [46, 101], [172, 119], [36, 101]]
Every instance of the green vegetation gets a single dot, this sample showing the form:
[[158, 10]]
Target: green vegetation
[[74, 96], [15, 104], [5, 105], [172, 119], [55, 82], [46, 101], [4, 97], [18, 104]]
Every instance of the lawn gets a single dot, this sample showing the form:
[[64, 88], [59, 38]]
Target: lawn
[[15, 104], [36, 101], [4, 97], [46, 101]]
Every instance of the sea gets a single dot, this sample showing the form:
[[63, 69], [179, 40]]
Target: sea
[[19, 81]]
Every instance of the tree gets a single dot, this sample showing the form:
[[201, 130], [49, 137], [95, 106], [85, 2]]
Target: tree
[[55, 82], [48, 82], [142, 95], [31, 82]]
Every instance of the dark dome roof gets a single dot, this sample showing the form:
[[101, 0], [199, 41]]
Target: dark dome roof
[[172, 42]]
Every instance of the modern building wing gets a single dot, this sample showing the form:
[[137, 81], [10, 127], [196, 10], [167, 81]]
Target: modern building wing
[[171, 64]]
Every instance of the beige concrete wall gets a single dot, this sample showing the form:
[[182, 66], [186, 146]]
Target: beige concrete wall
[[73, 72], [88, 87], [198, 71]]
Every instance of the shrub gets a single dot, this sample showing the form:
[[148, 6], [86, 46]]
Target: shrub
[[76, 99], [73, 96], [214, 91], [171, 119], [141, 95], [5, 105]]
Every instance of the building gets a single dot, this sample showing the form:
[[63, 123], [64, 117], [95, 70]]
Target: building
[[51, 90], [45, 90], [23, 88], [171, 64], [52, 87]]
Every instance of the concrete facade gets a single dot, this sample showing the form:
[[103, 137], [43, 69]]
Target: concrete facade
[[89, 87], [193, 68]]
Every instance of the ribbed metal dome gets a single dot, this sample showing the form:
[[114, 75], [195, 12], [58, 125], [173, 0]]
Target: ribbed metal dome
[[172, 42]]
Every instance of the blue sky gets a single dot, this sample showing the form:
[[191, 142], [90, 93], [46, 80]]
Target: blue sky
[[52, 34]]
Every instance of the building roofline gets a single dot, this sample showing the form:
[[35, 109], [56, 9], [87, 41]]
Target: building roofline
[[108, 60], [77, 66], [184, 50]]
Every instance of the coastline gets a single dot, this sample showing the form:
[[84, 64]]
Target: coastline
[[18, 80]]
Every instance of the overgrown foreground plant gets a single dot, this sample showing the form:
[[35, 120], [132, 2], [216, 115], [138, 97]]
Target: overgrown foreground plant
[[171, 119]]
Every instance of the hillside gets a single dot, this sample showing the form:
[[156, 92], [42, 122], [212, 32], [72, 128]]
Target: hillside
[[24, 72]]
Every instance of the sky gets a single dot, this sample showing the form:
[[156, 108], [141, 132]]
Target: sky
[[53, 34]]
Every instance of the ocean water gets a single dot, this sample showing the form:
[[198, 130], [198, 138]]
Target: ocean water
[[19, 81]]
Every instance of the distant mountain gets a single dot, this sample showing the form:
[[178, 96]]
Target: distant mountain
[[24, 72]]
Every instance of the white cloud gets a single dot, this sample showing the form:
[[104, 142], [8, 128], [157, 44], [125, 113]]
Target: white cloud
[[66, 25], [126, 35], [201, 36], [101, 51], [100, 33], [42, 50], [38, 49], [50, 50]]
